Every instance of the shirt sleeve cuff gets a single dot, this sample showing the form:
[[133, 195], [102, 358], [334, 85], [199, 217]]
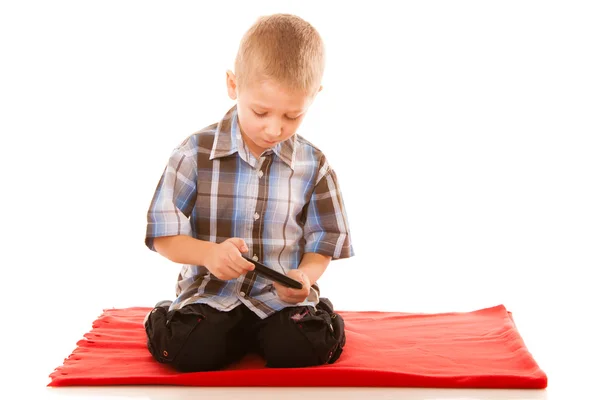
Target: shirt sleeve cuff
[[334, 245], [155, 230]]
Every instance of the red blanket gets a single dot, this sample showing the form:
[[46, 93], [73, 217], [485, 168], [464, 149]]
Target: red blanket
[[479, 349]]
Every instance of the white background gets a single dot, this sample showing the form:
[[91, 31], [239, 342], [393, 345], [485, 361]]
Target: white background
[[465, 136]]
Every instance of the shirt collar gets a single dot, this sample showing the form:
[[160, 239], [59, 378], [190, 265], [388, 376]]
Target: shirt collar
[[228, 140]]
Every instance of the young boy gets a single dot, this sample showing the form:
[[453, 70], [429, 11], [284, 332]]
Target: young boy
[[250, 186]]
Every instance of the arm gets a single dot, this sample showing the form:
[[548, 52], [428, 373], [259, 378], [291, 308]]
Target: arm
[[326, 229], [174, 197], [183, 249], [169, 231], [327, 237], [308, 272], [224, 260], [314, 265]]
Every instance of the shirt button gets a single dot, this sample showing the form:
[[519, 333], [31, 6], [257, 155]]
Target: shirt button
[[243, 294], [260, 174], [256, 216], [255, 258]]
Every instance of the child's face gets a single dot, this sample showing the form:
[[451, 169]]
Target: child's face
[[268, 113]]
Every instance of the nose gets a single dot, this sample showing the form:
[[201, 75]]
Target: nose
[[273, 130]]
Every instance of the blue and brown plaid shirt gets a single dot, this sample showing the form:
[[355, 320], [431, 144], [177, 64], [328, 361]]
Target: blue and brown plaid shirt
[[283, 204]]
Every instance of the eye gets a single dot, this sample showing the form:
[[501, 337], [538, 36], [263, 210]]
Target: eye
[[291, 119], [259, 115]]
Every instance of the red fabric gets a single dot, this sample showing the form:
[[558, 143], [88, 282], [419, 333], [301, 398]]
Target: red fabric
[[479, 349]]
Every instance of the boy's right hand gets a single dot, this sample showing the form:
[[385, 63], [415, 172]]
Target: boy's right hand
[[226, 261]]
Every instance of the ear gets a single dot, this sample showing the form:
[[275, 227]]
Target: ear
[[314, 96], [231, 85], [316, 92]]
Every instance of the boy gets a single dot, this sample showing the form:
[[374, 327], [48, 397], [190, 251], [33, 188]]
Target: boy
[[250, 186]]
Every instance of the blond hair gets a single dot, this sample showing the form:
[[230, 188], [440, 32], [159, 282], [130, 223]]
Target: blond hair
[[282, 47]]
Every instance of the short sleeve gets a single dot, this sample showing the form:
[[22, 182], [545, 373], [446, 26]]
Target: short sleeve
[[174, 198], [326, 229]]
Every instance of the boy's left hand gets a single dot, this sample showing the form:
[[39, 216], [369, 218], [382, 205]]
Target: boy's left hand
[[294, 296]]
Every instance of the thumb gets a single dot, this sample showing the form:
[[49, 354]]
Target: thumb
[[240, 244]]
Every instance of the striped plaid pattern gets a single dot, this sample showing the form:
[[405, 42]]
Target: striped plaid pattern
[[283, 204]]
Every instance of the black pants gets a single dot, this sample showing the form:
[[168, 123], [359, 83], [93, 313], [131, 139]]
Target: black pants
[[200, 338]]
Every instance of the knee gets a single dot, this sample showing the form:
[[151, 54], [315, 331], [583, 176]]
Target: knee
[[199, 356], [186, 342], [294, 342], [290, 355]]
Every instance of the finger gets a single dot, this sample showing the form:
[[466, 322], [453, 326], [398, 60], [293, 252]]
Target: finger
[[241, 263], [300, 277], [226, 274], [284, 290], [297, 292], [298, 295], [240, 244], [281, 291], [287, 299], [293, 295], [303, 279], [233, 272]]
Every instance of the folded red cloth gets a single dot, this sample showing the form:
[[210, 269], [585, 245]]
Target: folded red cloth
[[479, 349]]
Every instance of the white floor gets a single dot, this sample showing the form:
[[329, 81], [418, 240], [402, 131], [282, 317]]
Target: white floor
[[296, 393]]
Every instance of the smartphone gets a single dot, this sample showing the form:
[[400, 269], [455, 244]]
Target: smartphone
[[273, 275]]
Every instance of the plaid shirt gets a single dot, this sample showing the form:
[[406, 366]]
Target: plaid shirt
[[283, 204]]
